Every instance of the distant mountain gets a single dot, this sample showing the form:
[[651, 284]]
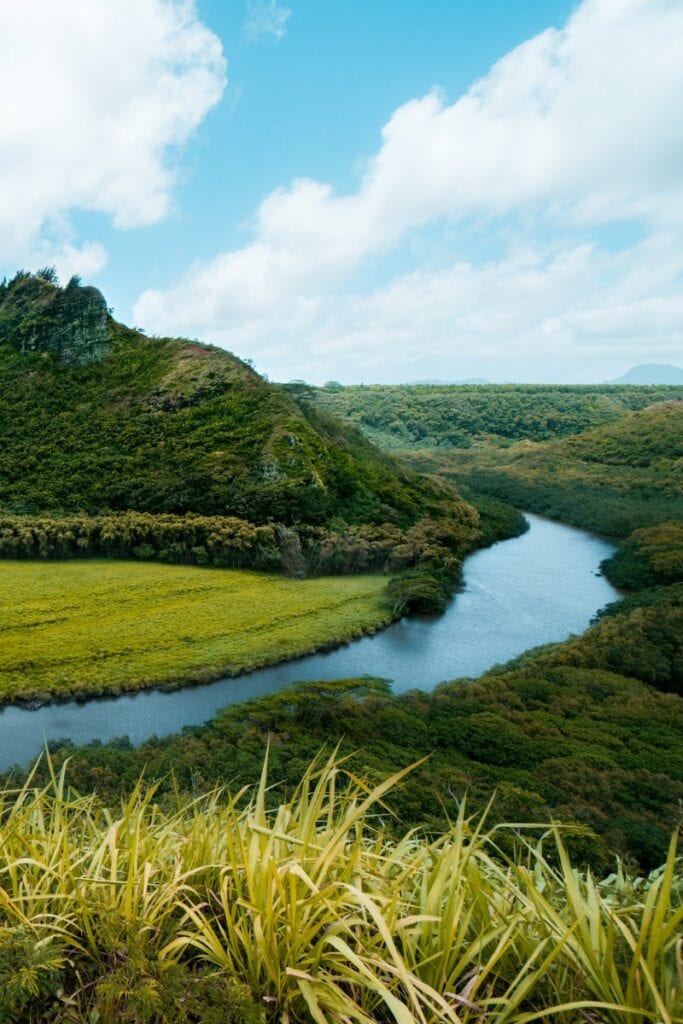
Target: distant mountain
[[651, 373]]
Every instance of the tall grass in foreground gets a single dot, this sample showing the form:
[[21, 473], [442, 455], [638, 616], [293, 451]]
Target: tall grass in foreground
[[223, 910]]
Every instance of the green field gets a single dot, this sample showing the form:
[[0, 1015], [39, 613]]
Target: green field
[[101, 626]]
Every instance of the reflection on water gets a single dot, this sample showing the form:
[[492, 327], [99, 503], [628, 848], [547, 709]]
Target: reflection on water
[[531, 590]]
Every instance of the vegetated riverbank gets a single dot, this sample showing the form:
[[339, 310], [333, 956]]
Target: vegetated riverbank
[[579, 731], [237, 911], [507, 584], [613, 479], [105, 627], [87, 627], [602, 458]]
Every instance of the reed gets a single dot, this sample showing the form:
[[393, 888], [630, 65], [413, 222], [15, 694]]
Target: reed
[[224, 908]]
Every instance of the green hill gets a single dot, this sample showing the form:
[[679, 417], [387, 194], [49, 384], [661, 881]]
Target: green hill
[[101, 418], [615, 478]]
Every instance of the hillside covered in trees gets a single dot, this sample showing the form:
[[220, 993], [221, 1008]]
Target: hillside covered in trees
[[603, 457], [227, 468], [442, 416], [613, 479], [161, 425]]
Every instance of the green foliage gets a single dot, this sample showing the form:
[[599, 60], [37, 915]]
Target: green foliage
[[140, 988], [419, 591], [423, 416], [653, 597], [31, 972], [498, 520], [614, 479], [233, 909], [649, 557], [221, 541], [129, 985]]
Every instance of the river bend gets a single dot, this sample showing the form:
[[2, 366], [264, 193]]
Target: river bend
[[534, 589]]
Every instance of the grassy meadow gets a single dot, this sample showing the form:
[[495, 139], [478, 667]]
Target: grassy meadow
[[101, 626]]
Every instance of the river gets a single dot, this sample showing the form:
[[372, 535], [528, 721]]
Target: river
[[534, 589]]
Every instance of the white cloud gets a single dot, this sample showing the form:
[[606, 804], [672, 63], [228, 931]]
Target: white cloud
[[577, 310], [86, 260], [266, 18], [92, 98], [577, 127]]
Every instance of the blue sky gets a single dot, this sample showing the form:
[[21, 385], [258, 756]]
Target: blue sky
[[323, 186], [310, 104]]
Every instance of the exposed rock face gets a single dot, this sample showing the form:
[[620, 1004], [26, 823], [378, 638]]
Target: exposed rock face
[[84, 337], [68, 323]]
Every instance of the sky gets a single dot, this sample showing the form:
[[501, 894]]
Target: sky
[[358, 190]]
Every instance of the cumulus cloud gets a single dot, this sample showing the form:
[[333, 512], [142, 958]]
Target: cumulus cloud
[[577, 310], [68, 259], [93, 98], [575, 128], [266, 18]]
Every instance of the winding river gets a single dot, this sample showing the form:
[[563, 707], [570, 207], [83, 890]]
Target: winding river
[[530, 590]]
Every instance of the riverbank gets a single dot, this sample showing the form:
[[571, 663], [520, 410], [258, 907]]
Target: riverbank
[[82, 629], [509, 601], [571, 731]]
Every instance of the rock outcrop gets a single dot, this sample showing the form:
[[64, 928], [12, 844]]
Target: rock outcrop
[[69, 323]]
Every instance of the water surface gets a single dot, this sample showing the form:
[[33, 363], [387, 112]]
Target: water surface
[[531, 590]]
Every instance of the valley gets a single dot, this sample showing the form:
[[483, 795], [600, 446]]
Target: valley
[[192, 616], [177, 519], [341, 512]]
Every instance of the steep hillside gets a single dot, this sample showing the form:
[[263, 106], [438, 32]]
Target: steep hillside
[[95, 417], [69, 323]]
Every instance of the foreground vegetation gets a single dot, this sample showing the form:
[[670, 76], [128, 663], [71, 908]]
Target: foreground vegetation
[[233, 909], [102, 626]]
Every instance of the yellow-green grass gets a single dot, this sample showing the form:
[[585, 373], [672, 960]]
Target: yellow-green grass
[[317, 916], [100, 626]]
